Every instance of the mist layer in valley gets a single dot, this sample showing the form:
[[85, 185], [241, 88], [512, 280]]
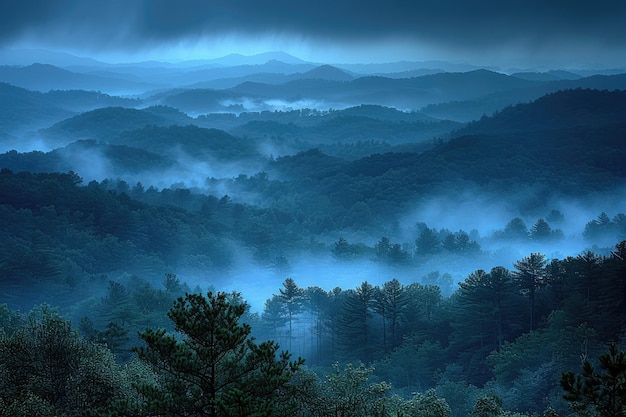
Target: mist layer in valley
[[251, 188], [425, 237]]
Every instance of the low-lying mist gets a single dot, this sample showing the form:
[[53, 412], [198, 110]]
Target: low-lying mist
[[484, 219], [482, 216], [247, 104]]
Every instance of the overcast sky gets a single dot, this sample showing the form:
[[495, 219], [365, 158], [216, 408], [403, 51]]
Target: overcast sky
[[524, 33]]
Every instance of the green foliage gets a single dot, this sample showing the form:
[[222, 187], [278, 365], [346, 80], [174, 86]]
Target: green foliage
[[349, 393], [390, 302], [531, 277], [47, 369], [212, 367], [598, 393], [488, 407], [291, 297], [356, 337], [428, 405], [10, 320], [526, 370], [59, 237], [427, 243], [413, 365], [486, 310], [460, 395], [515, 229]]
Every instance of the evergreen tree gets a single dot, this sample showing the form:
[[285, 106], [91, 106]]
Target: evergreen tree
[[588, 267], [612, 292], [332, 317], [291, 296], [317, 301], [516, 229], [603, 393], [118, 306], [540, 230], [427, 243], [354, 323], [383, 248], [422, 301], [47, 369], [342, 249], [273, 317], [396, 254], [599, 228], [485, 313], [390, 302], [485, 304], [212, 367], [531, 276]]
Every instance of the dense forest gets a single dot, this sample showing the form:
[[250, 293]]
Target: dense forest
[[187, 253], [506, 339]]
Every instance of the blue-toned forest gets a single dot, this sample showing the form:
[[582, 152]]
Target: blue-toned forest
[[203, 252]]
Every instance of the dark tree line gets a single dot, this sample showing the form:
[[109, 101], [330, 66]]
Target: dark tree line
[[210, 365], [414, 336]]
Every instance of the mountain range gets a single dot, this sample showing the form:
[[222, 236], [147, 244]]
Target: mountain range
[[571, 141], [276, 85]]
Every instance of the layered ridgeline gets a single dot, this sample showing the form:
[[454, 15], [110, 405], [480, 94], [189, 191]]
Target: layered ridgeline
[[564, 143], [388, 236], [445, 92], [157, 197]]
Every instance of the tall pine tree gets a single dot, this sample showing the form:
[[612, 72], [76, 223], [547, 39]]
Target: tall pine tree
[[212, 367]]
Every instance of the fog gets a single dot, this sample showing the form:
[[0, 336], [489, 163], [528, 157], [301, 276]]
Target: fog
[[156, 148], [480, 213], [246, 104], [487, 212], [282, 218], [481, 217]]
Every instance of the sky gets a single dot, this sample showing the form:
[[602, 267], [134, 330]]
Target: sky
[[520, 33]]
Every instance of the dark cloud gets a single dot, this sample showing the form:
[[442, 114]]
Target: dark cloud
[[457, 24]]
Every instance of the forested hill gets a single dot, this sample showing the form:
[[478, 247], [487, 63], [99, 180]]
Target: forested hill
[[564, 109], [104, 123], [383, 280], [564, 142], [570, 142], [294, 200]]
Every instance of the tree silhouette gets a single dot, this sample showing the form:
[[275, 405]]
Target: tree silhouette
[[516, 229], [540, 230], [389, 302], [49, 370], [291, 297], [354, 322], [604, 393], [531, 276], [427, 243], [213, 367]]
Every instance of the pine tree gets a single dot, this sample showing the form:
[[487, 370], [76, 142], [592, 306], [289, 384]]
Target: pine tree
[[516, 229], [212, 367], [484, 305], [604, 393], [540, 230], [354, 323], [427, 242], [317, 301], [390, 302], [291, 296], [531, 276]]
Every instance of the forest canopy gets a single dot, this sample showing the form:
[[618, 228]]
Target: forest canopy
[[360, 261]]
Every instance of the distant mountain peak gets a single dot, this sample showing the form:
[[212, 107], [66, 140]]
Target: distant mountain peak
[[327, 72], [258, 59]]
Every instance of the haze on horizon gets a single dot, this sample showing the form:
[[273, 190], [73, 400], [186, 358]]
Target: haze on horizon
[[532, 34]]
